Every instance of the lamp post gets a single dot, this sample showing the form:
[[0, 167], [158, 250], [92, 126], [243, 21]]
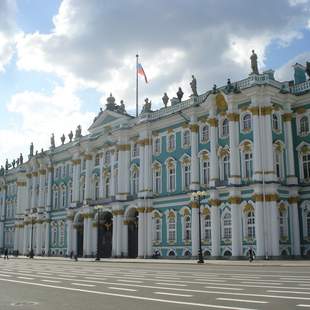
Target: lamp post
[[197, 196], [98, 208]]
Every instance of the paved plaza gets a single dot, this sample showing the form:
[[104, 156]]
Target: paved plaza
[[64, 284]]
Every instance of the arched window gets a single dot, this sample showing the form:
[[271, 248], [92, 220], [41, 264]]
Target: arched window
[[171, 142], [97, 160], [187, 176], [308, 223], [250, 221], [187, 228], [225, 128], [70, 194], [227, 226], [205, 172], [275, 122], [306, 166], [96, 190], [63, 197], [278, 164], [207, 227], [283, 223], [304, 125], [157, 145], [56, 199], [135, 182], [54, 234], [107, 158], [186, 138], [107, 187], [248, 165], [226, 168], [135, 150], [205, 134], [157, 181], [246, 122], [171, 178], [61, 234], [171, 229], [157, 229]]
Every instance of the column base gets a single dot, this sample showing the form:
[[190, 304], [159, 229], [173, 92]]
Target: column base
[[292, 180]]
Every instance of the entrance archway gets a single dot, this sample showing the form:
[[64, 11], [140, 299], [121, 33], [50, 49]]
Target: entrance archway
[[105, 234], [132, 218], [79, 226]]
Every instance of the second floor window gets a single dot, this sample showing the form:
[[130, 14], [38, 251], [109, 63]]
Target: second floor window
[[248, 165], [275, 122], [306, 166], [186, 138], [187, 176], [157, 145], [304, 125], [171, 179], [225, 128], [247, 122], [135, 150], [205, 134], [171, 142]]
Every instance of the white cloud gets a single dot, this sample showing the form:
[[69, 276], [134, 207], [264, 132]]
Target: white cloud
[[7, 32], [38, 116]]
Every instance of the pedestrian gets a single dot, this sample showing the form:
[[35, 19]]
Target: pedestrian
[[251, 255], [6, 254], [71, 254], [76, 257]]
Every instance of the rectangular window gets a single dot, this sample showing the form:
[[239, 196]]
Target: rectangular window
[[187, 176], [306, 166], [205, 172]]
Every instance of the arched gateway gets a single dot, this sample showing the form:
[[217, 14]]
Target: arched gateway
[[132, 222], [104, 233]]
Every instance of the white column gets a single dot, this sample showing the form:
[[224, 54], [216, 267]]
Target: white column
[[123, 171], [16, 237], [141, 170], [87, 234], [214, 202], [290, 167], [114, 234], [214, 166], [259, 227], [257, 160], [149, 222], [195, 228], [39, 238], [1, 234], [112, 178], [101, 178], [49, 188], [194, 154], [76, 180], [47, 236], [141, 233], [74, 240], [120, 219], [275, 233], [88, 194], [25, 241], [125, 238], [42, 173], [235, 200], [234, 148], [148, 182], [69, 235], [34, 192], [295, 224]]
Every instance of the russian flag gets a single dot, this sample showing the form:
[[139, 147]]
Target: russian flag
[[141, 72]]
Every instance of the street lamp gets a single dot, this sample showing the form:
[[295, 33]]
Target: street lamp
[[197, 196], [31, 254], [98, 208]]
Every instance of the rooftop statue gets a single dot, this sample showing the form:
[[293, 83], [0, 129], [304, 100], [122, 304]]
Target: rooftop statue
[[229, 86], [7, 165], [17, 162], [2, 171], [13, 163], [62, 139], [165, 99], [214, 89], [52, 141], [31, 149], [70, 135], [254, 63], [78, 132], [111, 103], [147, 106], [180, 94], [121, 108], [308, 69], [237, 89], [21, 159], [193, 85]]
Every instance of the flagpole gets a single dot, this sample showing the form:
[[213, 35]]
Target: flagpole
[[137, 108]]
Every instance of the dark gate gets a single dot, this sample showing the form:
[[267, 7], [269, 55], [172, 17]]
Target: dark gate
[[133, 238], [105, 235], [80, 238]]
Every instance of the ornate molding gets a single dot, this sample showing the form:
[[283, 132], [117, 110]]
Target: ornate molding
[[293, 199], [234, 200], [214, 202], [42, 172], [268, 197], [88, 157], [123, 147], [35, 173], [21, 183], [287, 117], [213, 122], [194, 205], [141, 210], [76, 161], [233, 117], [194, 128]]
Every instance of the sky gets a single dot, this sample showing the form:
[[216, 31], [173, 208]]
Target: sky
[[60, 59]]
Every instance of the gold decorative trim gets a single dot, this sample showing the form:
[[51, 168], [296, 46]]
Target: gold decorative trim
[[194, 205], [149, 209], [185, 125], [88, 215], [35, 173], [287, 117], [170, 130], [76, 161], [88, 157], [122, 193], [266, 110], [194, 128], [123, 147], [140, 210], [233, 117], [125, 222], [254, 110], [248, 208], [301, 110], [42, 172], [21, 183], [282, 207], [28, 175], [234, 200], [293, 199], [268, 197], [213, 122], [214, 202]]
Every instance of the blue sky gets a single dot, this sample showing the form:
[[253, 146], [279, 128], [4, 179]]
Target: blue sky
[[60, 59]]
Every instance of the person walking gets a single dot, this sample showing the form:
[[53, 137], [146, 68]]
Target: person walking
[[6, 254], [251, 255]]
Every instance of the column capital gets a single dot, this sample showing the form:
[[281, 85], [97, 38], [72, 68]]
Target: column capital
[[233, 117], [140, 210], [76, 161], [287, 117], [214, 202], [293, 199], [213, 122], [123, 147], [88, 157], [194, 128], [234, 200]]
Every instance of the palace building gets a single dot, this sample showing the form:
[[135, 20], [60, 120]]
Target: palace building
[[125, 189]]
